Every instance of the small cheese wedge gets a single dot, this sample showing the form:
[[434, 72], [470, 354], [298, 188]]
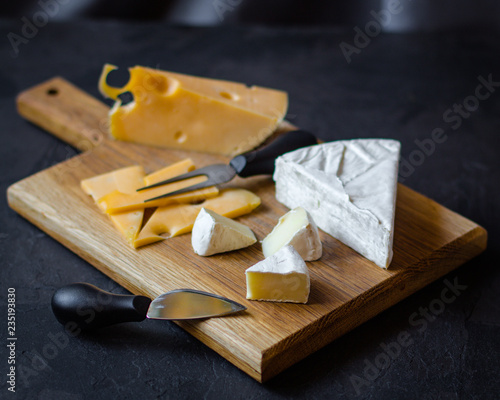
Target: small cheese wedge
[[295, 228], [123, 180], [177, 219], [192, 113], [282, 277], [214, 234]]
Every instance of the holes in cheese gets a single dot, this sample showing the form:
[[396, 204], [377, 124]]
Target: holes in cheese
[[295, 228], [180, 137], [282, 277], [178, 219], [212, 115], [214, 233], [230, 96]]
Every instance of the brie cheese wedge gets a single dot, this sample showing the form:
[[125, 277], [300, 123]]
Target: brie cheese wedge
[[295, 228], [282, 277], [349, 187], [213, 234]]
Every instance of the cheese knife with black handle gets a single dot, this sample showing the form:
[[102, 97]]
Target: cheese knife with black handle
[[89, 307]]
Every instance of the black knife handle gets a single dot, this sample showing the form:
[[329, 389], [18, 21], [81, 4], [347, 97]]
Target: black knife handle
[[262, 161], [90, 307]]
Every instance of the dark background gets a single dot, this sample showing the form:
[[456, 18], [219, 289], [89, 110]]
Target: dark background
[[398, 86], [422, 15]]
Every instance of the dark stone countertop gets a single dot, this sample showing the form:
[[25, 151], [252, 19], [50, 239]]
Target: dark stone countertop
[[398, 86]]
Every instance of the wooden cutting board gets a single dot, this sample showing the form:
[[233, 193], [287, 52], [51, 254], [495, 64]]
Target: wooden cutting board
[[346, 289]]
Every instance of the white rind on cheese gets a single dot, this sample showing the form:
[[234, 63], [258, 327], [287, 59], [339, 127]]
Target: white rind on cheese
[[349, 187], [214, 233], [298, 229], [282, 277]]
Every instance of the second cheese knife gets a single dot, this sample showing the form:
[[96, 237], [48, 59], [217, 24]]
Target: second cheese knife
[[257, 162]]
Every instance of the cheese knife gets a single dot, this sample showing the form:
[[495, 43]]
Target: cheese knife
[[89, 307], [257, 162]]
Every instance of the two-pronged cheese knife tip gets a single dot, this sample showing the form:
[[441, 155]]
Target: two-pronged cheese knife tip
[[89, 307], [257, 162]]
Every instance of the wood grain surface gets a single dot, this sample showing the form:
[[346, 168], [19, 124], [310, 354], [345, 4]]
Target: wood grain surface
[[346, 289]]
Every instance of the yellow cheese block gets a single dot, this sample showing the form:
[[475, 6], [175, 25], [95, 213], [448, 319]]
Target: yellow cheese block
[[177, 219], [124, 180], [191, 113]]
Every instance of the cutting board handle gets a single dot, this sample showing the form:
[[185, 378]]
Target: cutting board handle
[[65, 111]]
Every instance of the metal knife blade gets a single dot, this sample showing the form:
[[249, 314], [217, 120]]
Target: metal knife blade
[[191, 304]]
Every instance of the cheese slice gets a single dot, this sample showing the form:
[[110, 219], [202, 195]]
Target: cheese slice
[[349, 187], [177, 219], [128, 223], [213, 234], [170, 171], [295, 228], [123, 180], [127, 181], [116, 201], [281, 277], [191, 113]]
